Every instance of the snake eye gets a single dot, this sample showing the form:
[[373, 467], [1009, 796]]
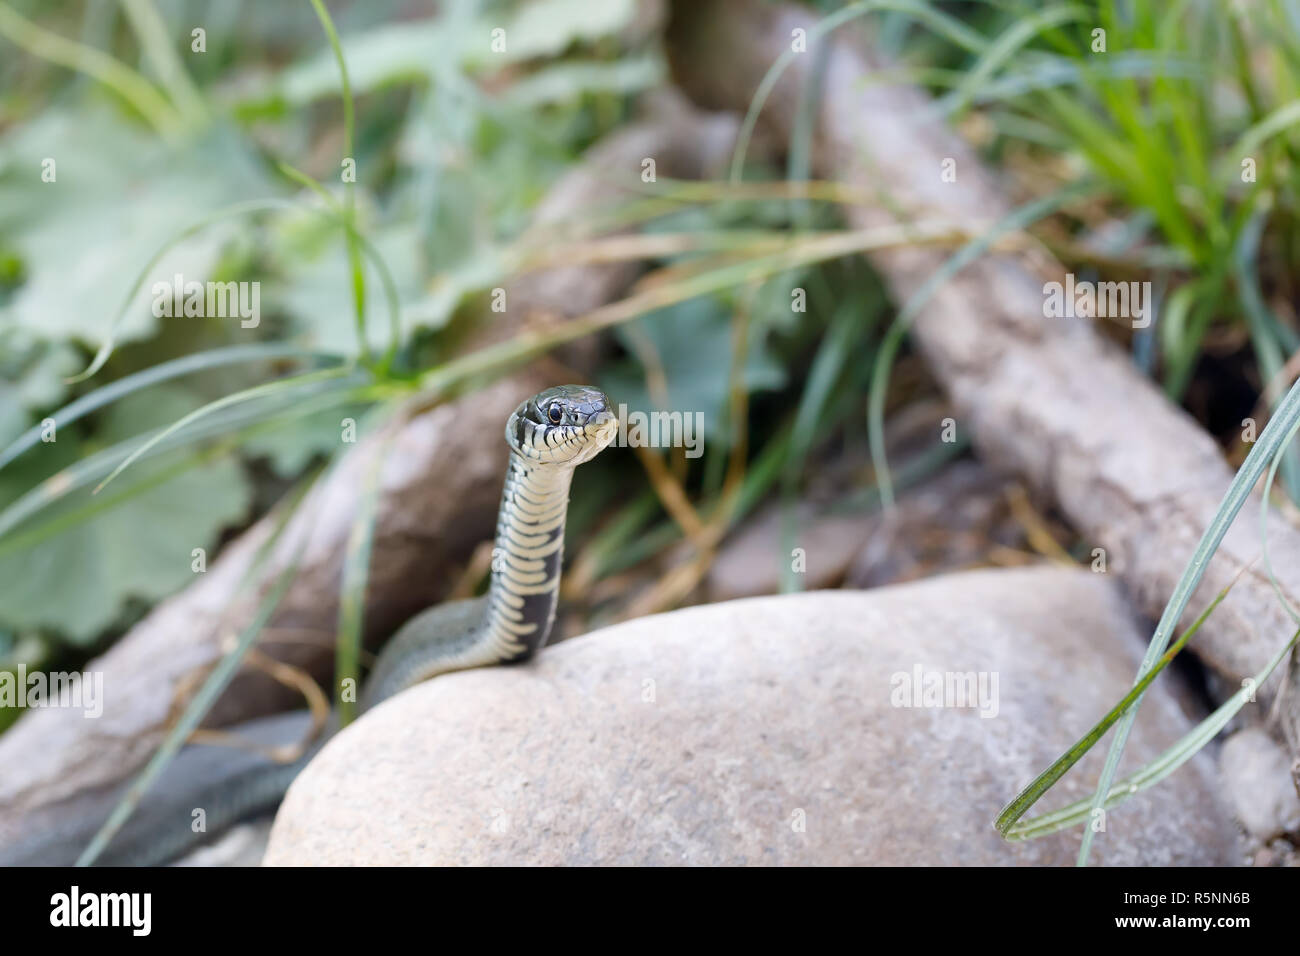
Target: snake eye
[[554, 414]]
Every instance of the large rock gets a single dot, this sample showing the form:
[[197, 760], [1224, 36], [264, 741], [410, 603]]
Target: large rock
[[1256, 774], [762, 731]]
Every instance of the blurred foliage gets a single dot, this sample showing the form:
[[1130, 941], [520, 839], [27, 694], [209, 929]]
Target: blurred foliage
[[140, 548], [128, 155], [1185, 112], [227, 165], [454, 147]]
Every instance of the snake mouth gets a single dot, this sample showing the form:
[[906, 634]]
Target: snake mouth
[[601, 429], [564, 425]]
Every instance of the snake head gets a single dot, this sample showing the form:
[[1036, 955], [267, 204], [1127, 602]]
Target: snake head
[[564, 425]]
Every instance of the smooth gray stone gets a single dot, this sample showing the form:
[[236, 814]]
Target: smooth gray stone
[[761, 731]]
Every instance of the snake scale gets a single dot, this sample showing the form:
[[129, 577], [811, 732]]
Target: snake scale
[[549, 435]]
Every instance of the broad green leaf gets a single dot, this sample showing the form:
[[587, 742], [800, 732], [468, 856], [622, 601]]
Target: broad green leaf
[[76, 582], [116, 197], [290, 449], [31, 378], [383, 55], [548, 27], [394, 53]]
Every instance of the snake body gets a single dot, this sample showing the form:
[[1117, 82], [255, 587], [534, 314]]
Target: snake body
[[549, 435]]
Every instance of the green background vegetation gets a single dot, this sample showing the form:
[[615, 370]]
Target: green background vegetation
[[226, 165]]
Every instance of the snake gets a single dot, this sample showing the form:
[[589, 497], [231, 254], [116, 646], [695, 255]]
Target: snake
[[549, 436]]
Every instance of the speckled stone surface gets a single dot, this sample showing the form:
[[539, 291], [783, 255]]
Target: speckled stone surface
[[762, 731], [1256, 774]]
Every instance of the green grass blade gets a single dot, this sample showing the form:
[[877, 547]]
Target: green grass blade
[[117, 76], [349, 190], [1179, 346], [207, 695], [940, 22], [43, 531], [1187, 747], [229, 212], [268, 388], [1268, 351], [385, 275], [352, 594], [165, 371], [1272, 441], [1043, 73], [176, 737], [445, 380], [1027, 797], [151, 31], [234, 211], [1263, 527], [1022, 30], [243, 424], [1249, 142]]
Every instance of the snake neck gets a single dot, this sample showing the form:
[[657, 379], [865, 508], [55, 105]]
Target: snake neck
[[527, 556]]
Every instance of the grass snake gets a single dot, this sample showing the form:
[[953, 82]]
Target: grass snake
[[549, 435]]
